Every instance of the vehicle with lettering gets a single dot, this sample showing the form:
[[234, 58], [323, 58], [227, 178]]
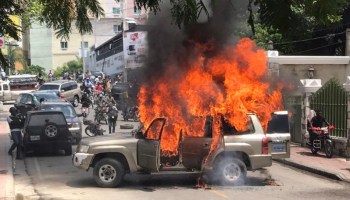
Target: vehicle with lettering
[[16, 84], [234, 153]]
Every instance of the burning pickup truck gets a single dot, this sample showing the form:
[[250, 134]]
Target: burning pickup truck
[[226, 158]]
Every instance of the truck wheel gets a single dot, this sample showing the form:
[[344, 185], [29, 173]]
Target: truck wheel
[[328, 148], [76, 101], [108, 173], [230, 171], [50, 130]]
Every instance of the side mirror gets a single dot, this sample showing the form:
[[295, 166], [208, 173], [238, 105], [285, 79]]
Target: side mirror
[[139, 135]]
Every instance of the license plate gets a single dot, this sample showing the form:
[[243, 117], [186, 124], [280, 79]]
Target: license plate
[[34, 137], [281, 147]]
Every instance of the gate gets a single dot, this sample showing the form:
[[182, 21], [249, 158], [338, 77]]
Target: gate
[[332, 100], [293, 105]]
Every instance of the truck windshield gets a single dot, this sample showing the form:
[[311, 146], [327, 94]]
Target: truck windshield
[[49, 87]]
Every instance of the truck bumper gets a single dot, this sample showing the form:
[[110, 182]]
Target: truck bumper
[[260, 161], [82, 160]]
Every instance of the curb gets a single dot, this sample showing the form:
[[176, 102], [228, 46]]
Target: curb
[[321, 172], [10, 183]]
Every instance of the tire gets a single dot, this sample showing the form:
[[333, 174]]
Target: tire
[[126, 126], [229, 171], [88, 132], [313, 150], [75, 101], [328, 148], [108, 173], [68, 150], [50, 131]]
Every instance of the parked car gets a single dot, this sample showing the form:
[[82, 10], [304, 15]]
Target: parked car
[[73, 121], [46, 131], [29, 101], [112, 157], [68, 90]]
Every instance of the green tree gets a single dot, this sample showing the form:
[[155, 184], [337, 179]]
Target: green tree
[[15, 54], [56, 14], [70, 67], [33, 69]]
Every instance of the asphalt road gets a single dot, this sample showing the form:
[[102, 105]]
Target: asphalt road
[[54, 177]]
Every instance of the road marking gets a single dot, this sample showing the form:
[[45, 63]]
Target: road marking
[[219, 194], [37, 168]]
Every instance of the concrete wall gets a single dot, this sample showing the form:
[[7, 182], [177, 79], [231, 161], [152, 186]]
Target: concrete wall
[[294, 73], [41, 46]]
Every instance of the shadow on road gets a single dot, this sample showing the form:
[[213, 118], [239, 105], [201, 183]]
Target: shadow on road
[[150, 183]]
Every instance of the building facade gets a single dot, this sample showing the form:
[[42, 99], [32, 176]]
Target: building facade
[[48, 51]]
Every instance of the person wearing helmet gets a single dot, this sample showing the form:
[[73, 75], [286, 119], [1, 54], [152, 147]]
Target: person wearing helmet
[[15, 124]]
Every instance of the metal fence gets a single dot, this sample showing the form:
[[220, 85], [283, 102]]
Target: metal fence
[[332, 100], [293, 105]]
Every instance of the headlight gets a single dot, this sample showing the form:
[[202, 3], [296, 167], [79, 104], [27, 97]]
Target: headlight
[[83, 149], [75, 125]]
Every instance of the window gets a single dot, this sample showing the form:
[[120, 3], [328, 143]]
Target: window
[[117, 28], [116, 10], [6, 87], [137, 10], [86, 45], [64, 45]]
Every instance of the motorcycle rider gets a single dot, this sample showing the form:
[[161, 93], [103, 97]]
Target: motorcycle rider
[[16, 124], [87, 83], [317, 121]]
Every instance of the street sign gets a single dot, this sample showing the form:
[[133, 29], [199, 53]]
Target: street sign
[[2, 42]]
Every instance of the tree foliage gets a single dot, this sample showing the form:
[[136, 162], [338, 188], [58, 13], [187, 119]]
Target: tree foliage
[[56, 14], [70, 67], [33, 69]]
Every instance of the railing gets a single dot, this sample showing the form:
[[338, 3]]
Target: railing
[[332, 100]]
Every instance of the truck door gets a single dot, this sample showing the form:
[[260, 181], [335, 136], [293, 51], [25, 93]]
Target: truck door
[[148, 149], [195, 149], [279, 135], [7, 93]]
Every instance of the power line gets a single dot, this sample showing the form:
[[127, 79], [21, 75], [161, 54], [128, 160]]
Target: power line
[[305, 40], [319, 47]]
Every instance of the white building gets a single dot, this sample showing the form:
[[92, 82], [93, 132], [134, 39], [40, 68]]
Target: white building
[[48, 51]]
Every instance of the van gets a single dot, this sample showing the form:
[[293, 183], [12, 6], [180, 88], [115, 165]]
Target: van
[[68, 90]]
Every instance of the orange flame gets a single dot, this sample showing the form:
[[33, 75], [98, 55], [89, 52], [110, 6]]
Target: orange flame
[[232, 83]]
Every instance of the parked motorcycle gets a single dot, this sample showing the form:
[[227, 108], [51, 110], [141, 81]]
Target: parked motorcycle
[[131, 113], [93, 128], [323, 141]]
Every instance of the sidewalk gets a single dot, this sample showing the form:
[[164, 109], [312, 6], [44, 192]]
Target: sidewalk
[[6, 177], [335, 168]]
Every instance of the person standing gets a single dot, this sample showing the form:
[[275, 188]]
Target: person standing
[[50, 75], [3, 74], [112, 119], [15, 124]]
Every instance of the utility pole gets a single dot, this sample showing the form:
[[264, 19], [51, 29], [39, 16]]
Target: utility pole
[[83, 54]]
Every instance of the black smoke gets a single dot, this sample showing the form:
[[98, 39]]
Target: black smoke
[[171, 45]]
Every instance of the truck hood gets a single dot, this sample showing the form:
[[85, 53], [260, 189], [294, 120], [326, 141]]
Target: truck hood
[[109, 140]]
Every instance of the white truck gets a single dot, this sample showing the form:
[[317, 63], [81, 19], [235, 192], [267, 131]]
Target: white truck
[[16, 84]]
